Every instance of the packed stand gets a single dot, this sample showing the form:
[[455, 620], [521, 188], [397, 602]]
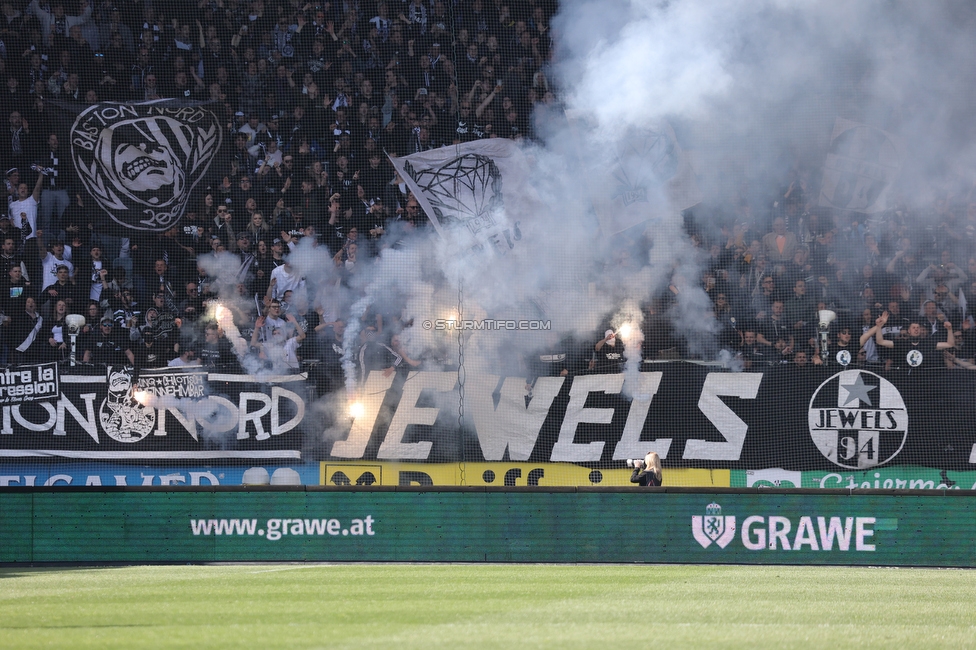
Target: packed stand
[[313, 97], [898, 281]]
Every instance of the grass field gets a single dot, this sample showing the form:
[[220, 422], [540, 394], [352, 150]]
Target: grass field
[[495, 606]]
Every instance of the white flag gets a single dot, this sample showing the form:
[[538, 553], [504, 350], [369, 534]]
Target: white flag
[[861, 165], [474, 193], [644, 175]]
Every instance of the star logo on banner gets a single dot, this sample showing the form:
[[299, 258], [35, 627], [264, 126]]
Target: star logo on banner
[[858, 390]]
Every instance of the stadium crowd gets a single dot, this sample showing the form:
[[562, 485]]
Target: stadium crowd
[[313, 95], [901, 285]]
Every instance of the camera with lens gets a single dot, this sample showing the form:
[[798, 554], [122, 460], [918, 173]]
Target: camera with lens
[[635, 462]]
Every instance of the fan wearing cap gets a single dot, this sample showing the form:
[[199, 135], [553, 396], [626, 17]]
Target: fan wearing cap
[[106, 347], [188, 356], [149, 351], [844, 343]]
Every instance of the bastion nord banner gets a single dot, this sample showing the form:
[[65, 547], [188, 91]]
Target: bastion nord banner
[[845, 422], [139, 162]]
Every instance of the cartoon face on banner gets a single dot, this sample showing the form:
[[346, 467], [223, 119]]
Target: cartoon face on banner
[[141, 161], [122, 417]]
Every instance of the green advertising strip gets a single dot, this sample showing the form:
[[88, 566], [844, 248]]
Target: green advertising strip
[[486, 525], [902, 477]]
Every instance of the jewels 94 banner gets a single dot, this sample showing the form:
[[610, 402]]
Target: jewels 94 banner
[[830, 420]]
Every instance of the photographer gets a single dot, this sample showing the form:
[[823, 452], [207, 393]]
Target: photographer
[[647, 472]]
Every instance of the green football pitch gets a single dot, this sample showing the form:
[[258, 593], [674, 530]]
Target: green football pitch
[[494, 606]]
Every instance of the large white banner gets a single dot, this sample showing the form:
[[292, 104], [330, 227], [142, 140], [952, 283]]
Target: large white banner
[[643, 175], [861, 164], [472, 192]]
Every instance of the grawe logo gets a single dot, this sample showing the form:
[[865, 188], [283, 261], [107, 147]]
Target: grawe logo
[[858, 419], [777, 533], [713, 527]]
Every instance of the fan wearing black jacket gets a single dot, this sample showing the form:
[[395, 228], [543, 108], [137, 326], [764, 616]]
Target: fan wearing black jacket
[[647, 473]]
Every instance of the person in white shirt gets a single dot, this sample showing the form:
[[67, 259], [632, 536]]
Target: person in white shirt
[[188, 357], [283, 279], [23, 211], [281, 349], [274, 320], [23, 216], [51, 260], [252, 130]]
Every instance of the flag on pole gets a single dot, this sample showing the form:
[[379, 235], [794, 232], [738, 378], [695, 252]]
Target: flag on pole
[[861, 165], [475, 193]]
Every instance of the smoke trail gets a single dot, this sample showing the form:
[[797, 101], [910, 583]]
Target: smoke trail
[[751, 91]]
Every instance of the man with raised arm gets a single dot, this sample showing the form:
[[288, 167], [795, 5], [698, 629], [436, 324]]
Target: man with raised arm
[[918, 350]]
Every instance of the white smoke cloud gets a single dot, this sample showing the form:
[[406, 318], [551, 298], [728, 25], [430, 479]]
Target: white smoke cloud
[[752, 90]]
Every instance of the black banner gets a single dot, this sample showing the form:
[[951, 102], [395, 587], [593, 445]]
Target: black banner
[[29, 383], [162, 414], [693, 416], [140, 161]]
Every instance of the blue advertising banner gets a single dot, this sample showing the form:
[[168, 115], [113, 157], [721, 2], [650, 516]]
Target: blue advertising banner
[[61, 473]]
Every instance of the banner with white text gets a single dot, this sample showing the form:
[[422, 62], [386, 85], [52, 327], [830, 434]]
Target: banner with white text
[[575, 430]]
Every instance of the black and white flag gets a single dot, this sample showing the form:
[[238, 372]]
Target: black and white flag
[[474, 193], [140, 161], [862, 164]]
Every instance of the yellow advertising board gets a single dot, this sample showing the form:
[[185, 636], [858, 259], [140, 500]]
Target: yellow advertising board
[[501, 474]]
